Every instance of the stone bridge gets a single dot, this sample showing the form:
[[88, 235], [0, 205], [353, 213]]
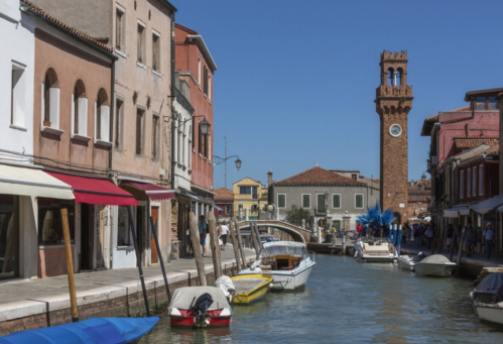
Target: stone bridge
[[296, 232]]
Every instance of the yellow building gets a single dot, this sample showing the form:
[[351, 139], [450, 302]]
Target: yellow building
[[250, 198]]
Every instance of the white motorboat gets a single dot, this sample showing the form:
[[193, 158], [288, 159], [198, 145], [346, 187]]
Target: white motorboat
[[378, 251], [407, 263], [487, 298], [435, 265], [287, 262]]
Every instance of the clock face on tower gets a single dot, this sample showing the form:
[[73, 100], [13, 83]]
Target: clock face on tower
[[395, 130]]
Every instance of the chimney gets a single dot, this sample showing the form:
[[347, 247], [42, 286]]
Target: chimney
[[269, 178]]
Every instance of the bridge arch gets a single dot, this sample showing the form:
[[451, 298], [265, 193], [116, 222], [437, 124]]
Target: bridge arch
[[297, 233]]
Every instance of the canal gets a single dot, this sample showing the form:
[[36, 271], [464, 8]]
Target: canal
[[350, 302]]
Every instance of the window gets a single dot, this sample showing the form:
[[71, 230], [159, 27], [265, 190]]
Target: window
[[102, 117], [281, 201], [79, 109], [156, 128], [474, 181], [156, 52], [205, 80], [462, 184], [468, 182], [119, 122], [140, 33], [17, 93], [245, 190], [199, 72], [336, 201], [481, 180], [359, 201], [140, 124], [120, 29], [50, 223], [191, 144], [178, 141], [321, 202], [123, 231], [50, 100], [306, 201]]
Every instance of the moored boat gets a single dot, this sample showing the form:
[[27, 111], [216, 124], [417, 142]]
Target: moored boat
[[199, 307], [90, 331], [436, 265], [287, 262], [487, 298], [378, 251], [250, 287], [407, 263]]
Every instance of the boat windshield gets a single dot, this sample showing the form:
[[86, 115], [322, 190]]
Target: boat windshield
[[280, 250]]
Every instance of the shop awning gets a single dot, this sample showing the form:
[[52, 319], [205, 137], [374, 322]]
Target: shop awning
[[487, 205], [96, 190], [25, 181], [144, 191], [456, 211]]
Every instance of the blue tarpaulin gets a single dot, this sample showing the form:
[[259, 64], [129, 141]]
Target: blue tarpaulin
[[94, 330]]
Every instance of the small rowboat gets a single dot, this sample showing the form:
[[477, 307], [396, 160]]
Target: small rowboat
[[94, 330], [250, 287]]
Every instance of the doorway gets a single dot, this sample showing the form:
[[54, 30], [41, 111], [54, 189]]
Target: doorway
[[155, 221], [86, 236], [9, 237]]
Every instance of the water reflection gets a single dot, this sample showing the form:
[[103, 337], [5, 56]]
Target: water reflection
[[349, 302]]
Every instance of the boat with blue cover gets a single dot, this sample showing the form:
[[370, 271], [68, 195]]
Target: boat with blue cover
[[90, 331]]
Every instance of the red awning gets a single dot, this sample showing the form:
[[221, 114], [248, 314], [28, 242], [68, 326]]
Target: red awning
[[96, 190], [146, 190]]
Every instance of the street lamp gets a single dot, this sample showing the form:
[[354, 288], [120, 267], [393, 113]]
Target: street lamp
[[218, 160], [204, 126]]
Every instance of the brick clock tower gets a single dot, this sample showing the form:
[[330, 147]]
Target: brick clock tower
[[393, 103]]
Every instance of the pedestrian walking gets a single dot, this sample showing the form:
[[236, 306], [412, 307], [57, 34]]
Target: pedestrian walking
[[488, 239], [428, 234], [224, 232], [203, 231]]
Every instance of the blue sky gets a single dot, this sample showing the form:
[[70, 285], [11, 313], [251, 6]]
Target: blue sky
[[296, 80]]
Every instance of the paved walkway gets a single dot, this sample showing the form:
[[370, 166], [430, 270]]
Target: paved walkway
[[24, 297]]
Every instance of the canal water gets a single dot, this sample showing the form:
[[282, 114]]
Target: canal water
[[350, 302]]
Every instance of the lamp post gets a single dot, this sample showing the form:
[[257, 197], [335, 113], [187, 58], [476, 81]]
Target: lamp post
[[223, 160]]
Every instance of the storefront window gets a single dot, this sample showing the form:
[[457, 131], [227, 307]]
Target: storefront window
[[123, 231], [49, 220], [8, 237]]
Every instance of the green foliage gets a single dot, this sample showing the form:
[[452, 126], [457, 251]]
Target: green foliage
[[296, 215]]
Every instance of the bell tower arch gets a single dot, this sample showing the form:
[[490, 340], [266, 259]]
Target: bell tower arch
[[393, 103]]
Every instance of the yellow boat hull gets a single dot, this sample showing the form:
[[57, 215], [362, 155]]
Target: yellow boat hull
[[254, 293]]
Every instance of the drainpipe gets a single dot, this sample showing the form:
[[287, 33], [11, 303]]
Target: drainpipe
[[172, 68]]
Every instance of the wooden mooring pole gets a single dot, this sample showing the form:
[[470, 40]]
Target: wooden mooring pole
[[235, 244], [137, 250], [240, 244], [69, 265], [215, 247], [153, 230], [255, 239], [196, 245]]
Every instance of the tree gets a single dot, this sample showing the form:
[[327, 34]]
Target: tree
[[296, 215]]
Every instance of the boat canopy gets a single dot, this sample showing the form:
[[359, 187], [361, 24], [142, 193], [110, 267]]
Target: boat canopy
[[290, 248], [90, 331], [436, 259], [184, 298], [487, 205], [490, 289]]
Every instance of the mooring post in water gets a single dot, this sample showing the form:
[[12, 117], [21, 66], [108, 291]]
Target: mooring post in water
[[460, 246], [240, 244], [254, 239], [138, 254], [196, 245], [215, 247], [69, 265], [232, 231], [153, 230]]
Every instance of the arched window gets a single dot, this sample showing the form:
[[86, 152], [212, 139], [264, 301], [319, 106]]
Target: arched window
[[390, 76], [399, 77], [79, 109], [102, 117], [50, 100]]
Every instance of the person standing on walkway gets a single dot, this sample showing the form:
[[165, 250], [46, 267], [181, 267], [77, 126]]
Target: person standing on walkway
[[428, 234], [203, 231], [488, 239]]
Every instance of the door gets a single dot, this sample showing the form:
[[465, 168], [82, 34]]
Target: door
[[154, 212], [86, 236], [9, 237]]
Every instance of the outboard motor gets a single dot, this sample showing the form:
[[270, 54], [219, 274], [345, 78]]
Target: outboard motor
[[200, 309]]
